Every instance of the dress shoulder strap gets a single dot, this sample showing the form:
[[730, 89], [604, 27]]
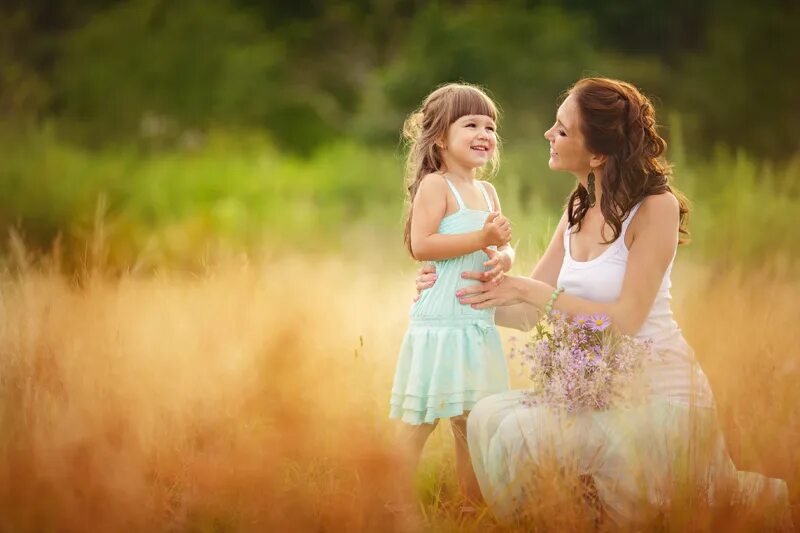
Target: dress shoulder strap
[[486, 196], [455, 192], [629, 218], [566, 238]]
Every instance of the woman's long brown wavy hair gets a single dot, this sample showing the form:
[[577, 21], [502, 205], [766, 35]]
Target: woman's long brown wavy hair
[[618, 121], [427, 126]]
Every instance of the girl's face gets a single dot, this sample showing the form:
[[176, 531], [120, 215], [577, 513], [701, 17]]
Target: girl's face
[[567, 146], [471, 140]]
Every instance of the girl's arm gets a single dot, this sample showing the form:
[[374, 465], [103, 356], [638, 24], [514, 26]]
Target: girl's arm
[[429, 208], [501, 261], [653, 247]]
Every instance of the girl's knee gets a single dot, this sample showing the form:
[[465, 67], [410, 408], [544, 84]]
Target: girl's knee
[[459, 425], [461, 419]]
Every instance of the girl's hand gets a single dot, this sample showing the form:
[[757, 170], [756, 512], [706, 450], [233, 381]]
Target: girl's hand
[[496, 230], [482, 295], [425, 279], [498, 264]]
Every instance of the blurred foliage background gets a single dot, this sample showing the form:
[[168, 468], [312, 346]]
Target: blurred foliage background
[[169, 129]]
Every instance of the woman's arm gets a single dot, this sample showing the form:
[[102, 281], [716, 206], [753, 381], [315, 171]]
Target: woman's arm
[[429, 208], [655, 239], [524, 316], [549, 265]]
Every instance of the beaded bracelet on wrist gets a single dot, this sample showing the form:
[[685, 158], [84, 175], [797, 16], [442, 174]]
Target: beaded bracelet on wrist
[[553, 297]]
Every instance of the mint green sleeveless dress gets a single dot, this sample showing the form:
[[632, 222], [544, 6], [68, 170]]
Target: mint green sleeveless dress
[[451, 355]]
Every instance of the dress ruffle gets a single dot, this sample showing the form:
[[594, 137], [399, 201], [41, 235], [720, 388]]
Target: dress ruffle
[[444, 368]]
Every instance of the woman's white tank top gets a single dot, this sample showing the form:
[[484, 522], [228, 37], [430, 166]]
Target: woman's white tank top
[[672, 370]]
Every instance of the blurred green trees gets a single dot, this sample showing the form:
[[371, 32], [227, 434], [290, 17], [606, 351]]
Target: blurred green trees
[[141, 67], [179, 125], [309, 73]]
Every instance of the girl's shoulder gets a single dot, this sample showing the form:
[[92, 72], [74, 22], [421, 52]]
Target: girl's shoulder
[[432, 187], [432, 182], [492, 192], [489, 187], [433, 179]]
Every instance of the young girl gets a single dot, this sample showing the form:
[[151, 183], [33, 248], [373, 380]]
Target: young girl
[[451, 355]]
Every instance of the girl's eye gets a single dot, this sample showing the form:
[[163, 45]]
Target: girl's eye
[[471, 125], [490, 129]]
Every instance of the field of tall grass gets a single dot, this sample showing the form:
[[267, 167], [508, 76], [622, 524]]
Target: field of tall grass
[[204, 339], [253, 396]]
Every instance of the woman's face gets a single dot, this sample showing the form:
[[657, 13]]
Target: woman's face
[[567, 146]]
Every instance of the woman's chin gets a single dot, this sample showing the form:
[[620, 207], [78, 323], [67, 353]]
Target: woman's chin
[[553, 164]]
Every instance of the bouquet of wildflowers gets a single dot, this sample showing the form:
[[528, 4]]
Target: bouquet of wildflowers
[[581, 363]]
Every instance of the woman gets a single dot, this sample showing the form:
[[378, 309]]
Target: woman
[[612, 253]]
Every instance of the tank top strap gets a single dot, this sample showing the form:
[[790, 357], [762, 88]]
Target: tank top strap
[[625, 223], [629, 218], [461, 205], [486, 196]]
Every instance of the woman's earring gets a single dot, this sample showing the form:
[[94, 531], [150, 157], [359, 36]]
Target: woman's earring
[[590, 188]]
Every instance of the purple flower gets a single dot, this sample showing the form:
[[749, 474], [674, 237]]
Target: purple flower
[[575, 368], [599, 322], [581, 320]]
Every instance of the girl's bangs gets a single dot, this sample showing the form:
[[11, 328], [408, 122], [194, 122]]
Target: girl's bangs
[[470, 101]]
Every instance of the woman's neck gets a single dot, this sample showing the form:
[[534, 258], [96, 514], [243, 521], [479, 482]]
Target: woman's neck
[[583, 178]]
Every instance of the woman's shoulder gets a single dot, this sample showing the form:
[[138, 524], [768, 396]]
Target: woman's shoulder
[[660, 205], [658, 212]]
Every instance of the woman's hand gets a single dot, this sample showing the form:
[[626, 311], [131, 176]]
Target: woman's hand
[[425, 279], [508, 291]]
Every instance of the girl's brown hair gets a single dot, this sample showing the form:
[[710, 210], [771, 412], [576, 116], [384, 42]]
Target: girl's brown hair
[[618, 121], [428, 126]]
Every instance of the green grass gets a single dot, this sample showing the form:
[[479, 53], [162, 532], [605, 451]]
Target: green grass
[[237, 192]]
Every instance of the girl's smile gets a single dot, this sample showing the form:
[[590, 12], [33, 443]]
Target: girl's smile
[[471, 141]]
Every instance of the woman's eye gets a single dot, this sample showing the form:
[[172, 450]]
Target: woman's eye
[[562, 133]]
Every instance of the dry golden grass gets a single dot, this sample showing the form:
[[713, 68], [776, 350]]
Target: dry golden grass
[[254, 397]]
